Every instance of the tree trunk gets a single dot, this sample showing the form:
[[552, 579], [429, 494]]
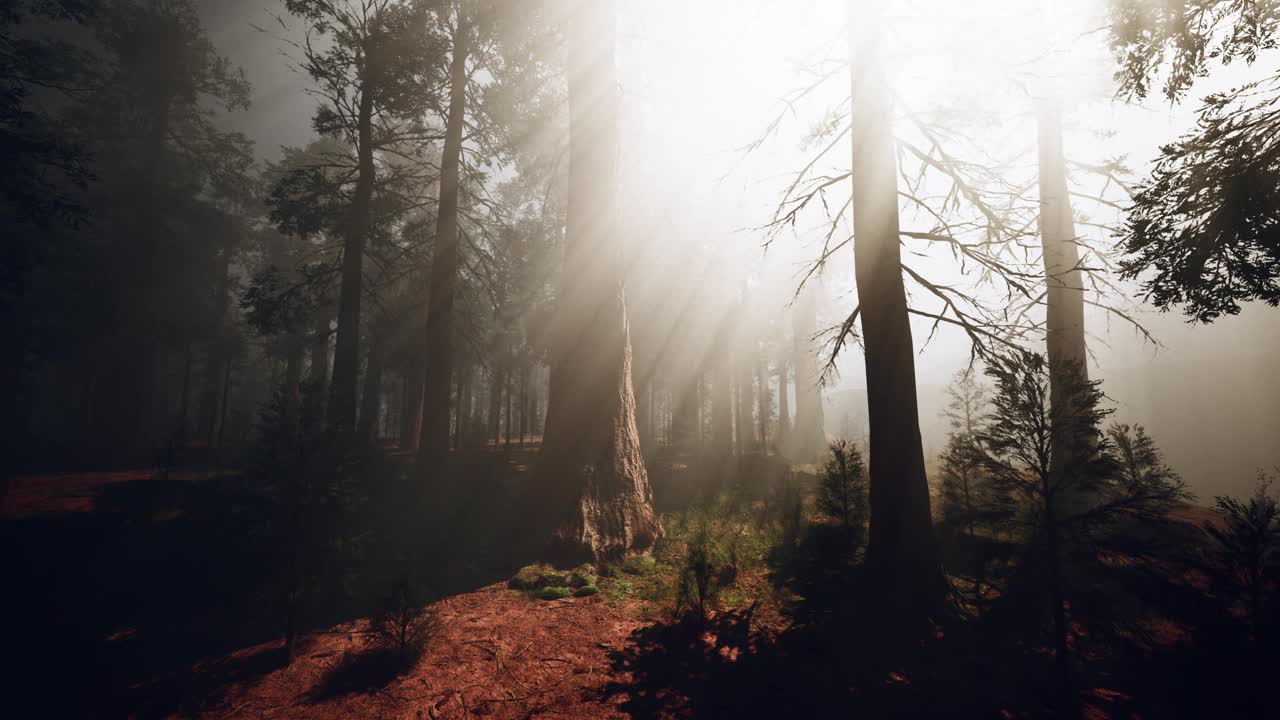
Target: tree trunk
[[495, 403], [809, 439], [371, 400], [722, 403], [411, 404], [341, 414], [444, 263], [764, 403], [902, 553], [1064, 288], [216, 357], [524, 403], [292, 391], [784, 409], [591, 462]]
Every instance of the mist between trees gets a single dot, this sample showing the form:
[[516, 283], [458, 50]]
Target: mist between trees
[[899, 310]]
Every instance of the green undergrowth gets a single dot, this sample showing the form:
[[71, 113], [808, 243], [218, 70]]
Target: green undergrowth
[[544, 582], [720, 554]]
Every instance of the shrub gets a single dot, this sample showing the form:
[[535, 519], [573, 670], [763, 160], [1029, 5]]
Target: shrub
[[1246, 552], [404, 626], [705, 572], [586, 590], [842, 491], [639, 565]]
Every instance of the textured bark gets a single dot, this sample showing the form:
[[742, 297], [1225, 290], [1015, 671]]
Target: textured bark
[[444, 264], [809, 440], [1064, 289], [591, 467], [341, 414], [902, 553]]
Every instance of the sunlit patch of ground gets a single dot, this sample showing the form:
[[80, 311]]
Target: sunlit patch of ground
[[495, 654]]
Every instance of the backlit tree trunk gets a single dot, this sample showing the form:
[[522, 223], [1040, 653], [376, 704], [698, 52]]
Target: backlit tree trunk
[[341, 414], [902, 553], [1064, 289], [784, 409], [444, 264], [809, 439], [591, 465]]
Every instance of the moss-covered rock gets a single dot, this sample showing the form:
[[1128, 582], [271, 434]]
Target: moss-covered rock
[[639, 565], [583, 575], [553, 593], [536, 577], [586, 590]]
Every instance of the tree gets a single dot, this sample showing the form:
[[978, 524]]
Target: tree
[[1075, 512], [1020, 439], [842, 490], [167, 171], [1201, 233], [809, 436], [376, 80], [902, 552], [1064, 285], [1246, 551], [591, 464]]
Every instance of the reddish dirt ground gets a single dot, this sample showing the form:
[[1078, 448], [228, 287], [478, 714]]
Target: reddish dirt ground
[[68, 492], [495, 654]]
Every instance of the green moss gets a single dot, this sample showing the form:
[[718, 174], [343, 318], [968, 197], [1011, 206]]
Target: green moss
[[586, 590], [536, 577], [639, 565], [553, 593], [583, 575]]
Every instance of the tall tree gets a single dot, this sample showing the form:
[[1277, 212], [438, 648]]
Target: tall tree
[[444, 263], [808, 440], [591, 463], [375, 77], [1064, 284], [902, 553]]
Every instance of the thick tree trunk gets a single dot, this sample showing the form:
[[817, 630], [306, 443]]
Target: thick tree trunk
[[1064, 288], [591, 463], [341, 414], [810, 438], [444, 264], [902, 554]]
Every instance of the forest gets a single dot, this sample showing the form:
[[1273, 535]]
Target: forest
[[524, 359]]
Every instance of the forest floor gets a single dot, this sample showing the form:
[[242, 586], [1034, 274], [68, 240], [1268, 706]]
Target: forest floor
[[156, 591]]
